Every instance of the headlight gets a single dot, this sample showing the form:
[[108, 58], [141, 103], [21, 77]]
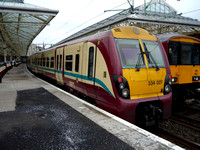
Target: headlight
[[121, 86], [125, 93], [174, 79], [168, 82], [195, 78], [167, 88]]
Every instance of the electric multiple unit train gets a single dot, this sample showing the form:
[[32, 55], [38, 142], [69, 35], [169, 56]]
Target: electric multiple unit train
[[5, 66], [125, 70], [184, 59]]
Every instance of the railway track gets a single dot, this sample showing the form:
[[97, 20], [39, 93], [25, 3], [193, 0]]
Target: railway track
[[186, 122], [189, 116], [182, 131], [182, 142]]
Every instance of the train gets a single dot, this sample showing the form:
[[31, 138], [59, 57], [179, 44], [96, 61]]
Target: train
[[184, 58], [124, 69], [5, 66], [2, 70]]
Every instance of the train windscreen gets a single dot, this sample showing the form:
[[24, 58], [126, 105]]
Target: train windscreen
[[189, 54], [130, 52], [196, 54], [154, 54], [173, 53], [183, 53]]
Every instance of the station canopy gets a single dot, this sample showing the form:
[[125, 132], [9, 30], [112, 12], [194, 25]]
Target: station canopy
[[157, 17], [20, 23]]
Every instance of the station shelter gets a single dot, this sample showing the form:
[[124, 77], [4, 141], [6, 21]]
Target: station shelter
[[20, 23], [156, 16]]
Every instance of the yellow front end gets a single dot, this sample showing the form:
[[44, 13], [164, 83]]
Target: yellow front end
[[145, 83], [142, 62], [184, 59], [184, 74]]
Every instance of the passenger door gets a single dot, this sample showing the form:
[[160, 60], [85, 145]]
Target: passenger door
[[59, 65], [78, 68], [89, 68]]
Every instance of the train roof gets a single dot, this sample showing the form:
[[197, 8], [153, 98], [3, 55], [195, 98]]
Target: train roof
[[86, 38], [117, 32], [129, 32], [89, 37], [168, 36]]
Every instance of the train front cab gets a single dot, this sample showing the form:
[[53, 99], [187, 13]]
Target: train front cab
[[184, 58], [144, 87]]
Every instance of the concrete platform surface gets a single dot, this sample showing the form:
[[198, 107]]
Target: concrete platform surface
[[37, 115]]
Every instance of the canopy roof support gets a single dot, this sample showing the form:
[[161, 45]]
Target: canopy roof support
[[20, 23]]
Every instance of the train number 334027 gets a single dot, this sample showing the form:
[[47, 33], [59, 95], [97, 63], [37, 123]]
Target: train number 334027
[[154, 82]]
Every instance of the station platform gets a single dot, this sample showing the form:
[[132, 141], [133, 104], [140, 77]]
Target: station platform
[[37, 115]]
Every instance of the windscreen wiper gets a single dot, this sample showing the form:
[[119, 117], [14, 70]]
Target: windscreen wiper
[[151, 58], [139, 61]]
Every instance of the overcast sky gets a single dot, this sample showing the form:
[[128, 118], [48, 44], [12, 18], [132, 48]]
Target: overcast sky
[[75, 15]]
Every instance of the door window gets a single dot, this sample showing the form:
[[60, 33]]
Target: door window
[[173, 53], [90, 62], [77, 63], [60, 64], [57, 62]]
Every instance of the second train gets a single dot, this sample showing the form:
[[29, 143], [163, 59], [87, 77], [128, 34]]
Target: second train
[[184, 58]]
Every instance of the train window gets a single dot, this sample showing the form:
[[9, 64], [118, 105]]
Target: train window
[[60, 62], [68, 63], [196, 54], [57, 62], [90, 62], [173, 53], [130, 53], [186, 53], [52, 62], [69, 57], [44, 61], [41, 61], [154, 54], [1, 64], [77, 63], [47, 62]]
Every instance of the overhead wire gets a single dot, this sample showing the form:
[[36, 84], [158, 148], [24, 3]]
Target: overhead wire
[[94, 18], [81, 10], [87, 5], [191, 11], [114, 8], [85, 22]]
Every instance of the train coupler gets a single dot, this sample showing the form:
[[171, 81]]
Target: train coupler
[[149, 115]]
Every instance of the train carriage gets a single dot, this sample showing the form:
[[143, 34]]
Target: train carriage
[[2, 70], [184, 58], [8, 65], [124, 69]]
